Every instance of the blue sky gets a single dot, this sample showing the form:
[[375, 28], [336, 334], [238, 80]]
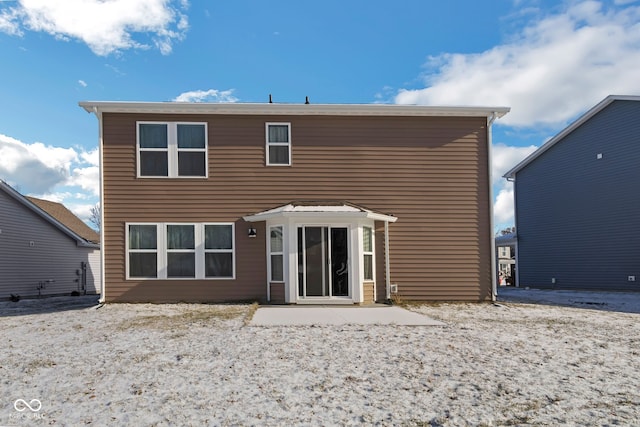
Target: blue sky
[[549, 61]]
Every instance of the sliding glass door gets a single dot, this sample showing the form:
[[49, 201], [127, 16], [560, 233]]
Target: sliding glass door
[[323, 260]]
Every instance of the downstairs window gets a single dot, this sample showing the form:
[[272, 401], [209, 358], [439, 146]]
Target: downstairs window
[[180, 251]]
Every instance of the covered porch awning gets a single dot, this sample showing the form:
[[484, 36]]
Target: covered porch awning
[[301, 209], [323, 251]]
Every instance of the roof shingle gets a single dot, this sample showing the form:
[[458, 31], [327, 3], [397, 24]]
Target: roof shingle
[[67, 218]]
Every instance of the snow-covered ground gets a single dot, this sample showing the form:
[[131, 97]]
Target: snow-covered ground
[[504, 364]]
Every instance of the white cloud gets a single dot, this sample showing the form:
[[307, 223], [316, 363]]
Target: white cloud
[[554, 69], [35, 167], [8, 22], [211, 95], [92, 157], [86, 178], [503, 208], [66, 175], [82, 83], [503, 158], [105, 26]]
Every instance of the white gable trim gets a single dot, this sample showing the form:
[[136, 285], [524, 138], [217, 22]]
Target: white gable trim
[[511, 174]]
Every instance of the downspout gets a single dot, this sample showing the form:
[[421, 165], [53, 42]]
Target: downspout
[[386, 261], [267, 250], [100, 162], [494, 288]]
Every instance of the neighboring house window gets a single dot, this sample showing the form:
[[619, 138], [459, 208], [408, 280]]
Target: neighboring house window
[[276, 248], [278, 146], [172, 150], [181, 251], [367, 250], [504, 252]]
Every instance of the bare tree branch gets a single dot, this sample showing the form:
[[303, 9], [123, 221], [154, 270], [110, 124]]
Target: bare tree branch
[[96, 215]]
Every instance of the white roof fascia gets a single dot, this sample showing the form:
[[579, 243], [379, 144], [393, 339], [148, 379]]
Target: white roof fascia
[[289, 109], [289, 211], [37, 210], [566, 131]]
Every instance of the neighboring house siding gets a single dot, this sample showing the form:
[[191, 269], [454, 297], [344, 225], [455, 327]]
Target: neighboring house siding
[[93, 272], [578, 218], [53, 255], [429, 172]]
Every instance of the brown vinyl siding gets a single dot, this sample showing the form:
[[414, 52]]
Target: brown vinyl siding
[[430, 172], [277, 293]]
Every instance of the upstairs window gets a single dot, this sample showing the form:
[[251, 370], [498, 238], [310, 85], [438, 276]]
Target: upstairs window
[[278, 148], [153, 149], [172, 150]]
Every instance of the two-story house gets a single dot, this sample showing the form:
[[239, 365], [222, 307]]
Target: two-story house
[[295, 203], [577, 205]]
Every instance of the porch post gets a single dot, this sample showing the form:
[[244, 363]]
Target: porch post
[[386, 260]]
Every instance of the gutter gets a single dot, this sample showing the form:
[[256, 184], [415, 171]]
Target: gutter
[[96, 110], [494, 287], [101, 189]]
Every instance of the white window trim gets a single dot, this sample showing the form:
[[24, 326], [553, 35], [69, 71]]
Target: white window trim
[[270, 253], [232, 251], [167, 251], [372, 253], [172, 149], [277, 144], [162, 252], [159, 244]]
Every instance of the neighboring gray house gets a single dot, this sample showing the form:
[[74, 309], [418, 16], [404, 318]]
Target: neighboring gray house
[[44, 248], [577, 203], [505, 258]]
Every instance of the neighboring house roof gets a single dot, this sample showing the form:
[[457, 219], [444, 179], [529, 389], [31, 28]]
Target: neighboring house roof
[[58, 216], [290, 109], [506, 239], [306, 208], [66, 217], [579, 122]]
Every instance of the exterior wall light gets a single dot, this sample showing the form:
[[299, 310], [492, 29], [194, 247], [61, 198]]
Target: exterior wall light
[[252, 232]]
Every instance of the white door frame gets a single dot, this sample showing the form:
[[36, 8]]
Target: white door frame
[[290, 258], [327, 276]]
